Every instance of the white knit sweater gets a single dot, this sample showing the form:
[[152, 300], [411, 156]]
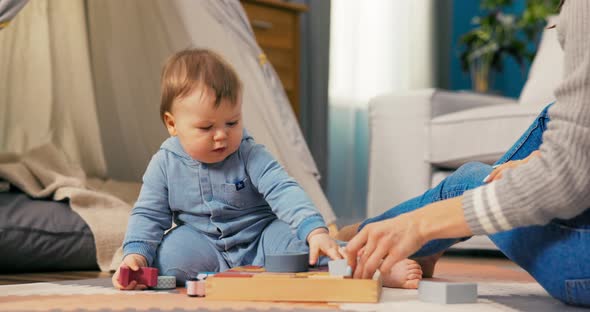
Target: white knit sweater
[[556, 184]]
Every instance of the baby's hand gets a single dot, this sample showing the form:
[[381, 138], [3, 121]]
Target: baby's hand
[[320, 242], [134, 262]]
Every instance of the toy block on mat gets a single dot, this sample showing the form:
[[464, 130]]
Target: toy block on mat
[[446, 292], [166, 282], [339, 268], [294, 287], [146, 276], [195, 288]]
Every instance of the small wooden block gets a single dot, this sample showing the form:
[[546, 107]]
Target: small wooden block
[[203, 275], [146, 276], [166, 282], [195, 288], [339, 268], [447, 292]]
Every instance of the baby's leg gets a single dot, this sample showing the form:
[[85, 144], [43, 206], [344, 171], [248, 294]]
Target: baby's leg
[[277, 238], [184, 252]]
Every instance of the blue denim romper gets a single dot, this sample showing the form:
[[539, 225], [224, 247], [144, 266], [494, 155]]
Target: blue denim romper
[[229, 204]]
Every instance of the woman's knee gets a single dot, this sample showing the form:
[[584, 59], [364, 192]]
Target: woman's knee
[[470, 174], [473, 168]]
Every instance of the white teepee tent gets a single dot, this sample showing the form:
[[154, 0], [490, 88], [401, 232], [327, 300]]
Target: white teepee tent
[[84, 74]]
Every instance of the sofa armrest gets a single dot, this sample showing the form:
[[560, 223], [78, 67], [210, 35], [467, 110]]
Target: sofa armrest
[[398, 169], [446, 102]]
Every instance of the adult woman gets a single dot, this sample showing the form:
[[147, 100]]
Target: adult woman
[[537, 212]]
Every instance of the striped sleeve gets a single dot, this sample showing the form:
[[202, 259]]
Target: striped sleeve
[[475, 213], [483, 212]]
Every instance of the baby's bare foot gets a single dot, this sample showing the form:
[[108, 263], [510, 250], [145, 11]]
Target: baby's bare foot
[[404, 274], [428, 263]]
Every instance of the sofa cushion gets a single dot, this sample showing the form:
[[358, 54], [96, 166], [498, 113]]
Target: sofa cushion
[[480, 134], [44, 235], [546, 70]]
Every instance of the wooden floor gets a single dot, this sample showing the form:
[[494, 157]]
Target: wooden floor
[[22, 278]]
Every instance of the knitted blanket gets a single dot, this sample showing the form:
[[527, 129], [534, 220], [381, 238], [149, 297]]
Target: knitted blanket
[[45, 172]]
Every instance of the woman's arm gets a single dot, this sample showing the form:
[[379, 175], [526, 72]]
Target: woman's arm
[[395, 239], [443, 219]]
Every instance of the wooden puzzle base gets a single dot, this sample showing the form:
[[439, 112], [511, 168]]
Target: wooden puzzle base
[[254, 284]]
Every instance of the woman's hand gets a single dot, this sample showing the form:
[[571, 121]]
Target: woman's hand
[[320, 242], [390, 240], [497, 173], [382, 244], [134, 262]]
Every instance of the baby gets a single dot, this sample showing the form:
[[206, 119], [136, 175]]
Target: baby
[[231, 200]]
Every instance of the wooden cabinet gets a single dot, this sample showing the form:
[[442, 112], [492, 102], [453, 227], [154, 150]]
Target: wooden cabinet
[[276, 27]]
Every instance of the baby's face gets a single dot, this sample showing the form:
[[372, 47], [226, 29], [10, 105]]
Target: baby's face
[[207, 133]]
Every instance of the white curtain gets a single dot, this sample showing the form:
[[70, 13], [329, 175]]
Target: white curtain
[[46, 92], [376, 47]]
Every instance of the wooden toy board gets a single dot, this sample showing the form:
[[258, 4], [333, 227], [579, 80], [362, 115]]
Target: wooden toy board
[[253, 283]]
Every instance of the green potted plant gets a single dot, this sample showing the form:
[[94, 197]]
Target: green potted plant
[[498, 34]]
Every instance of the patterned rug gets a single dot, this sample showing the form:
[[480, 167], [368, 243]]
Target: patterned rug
[[500, 288]]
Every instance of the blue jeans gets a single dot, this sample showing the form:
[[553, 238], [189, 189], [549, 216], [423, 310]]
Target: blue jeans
[[557, 255]]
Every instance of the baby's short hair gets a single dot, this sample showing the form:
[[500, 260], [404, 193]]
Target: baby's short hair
[[189, 69]]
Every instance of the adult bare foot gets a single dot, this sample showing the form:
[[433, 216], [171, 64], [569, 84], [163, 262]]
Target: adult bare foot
[[404, 274], [428, 264]]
